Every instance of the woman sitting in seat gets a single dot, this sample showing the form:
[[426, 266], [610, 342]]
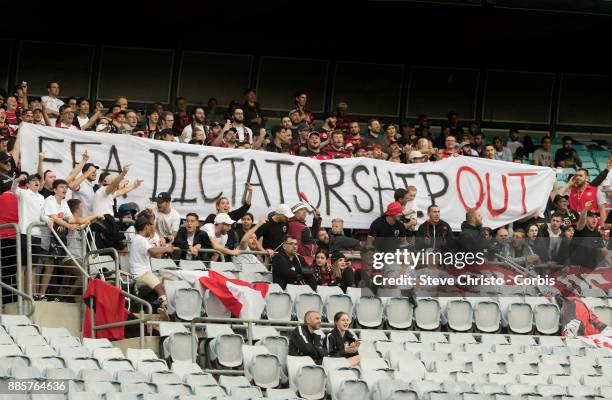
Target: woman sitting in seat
[[341, 342]]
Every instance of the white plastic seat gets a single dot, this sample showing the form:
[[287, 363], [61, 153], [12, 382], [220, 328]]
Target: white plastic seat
[[10, 350], [502, 379], [485, 367], [183, 369], [430, 357], [386, 347], [192, 265], [372, 335], [402, 337], [136, 387], [551, 390], [333, 363], [336, 303], [372, 364], [210, 392], [227, 349], [44, 363], [399, 312], [295, 290], [446, 367], [67, 352], [114, 365], [104, 353], [95, 375], [188, 303], [461, 338], [79, 364], [604, 313], [306, 378], [478, 348], [279, 306], [432, 337], [520, 317], [369, 311], [165, 378], [427, 313], [261, 366], [261, 331], [59, 341], [520, 368], [228, 382], [448, 347], [493, 339], [92, 344], [171, 287], [279, 346], [335, 377], [199, 379], [214, 307], [173, 389], [546, 317], [135, 355], [386, 389], [533, 379], [459, 314], [55, 332], [465, 357], [40, 351], [178, 346], [246, 393], [280, 394], [59, 373], [487, 316], [305, 302], [497, 358], [10, 319], [353, 389], [223, 266], [522, 340], [424, 388], [130, 377], [162, 263], [30, 373], [148, 367], [367, 349], [30, 340]]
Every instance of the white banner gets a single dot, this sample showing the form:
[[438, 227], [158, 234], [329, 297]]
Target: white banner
[[356, 190]]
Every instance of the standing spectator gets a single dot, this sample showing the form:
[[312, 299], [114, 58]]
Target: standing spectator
[[122, 102], [167, 219], [228, 139], [301, 98], [289, 267], [83, 187], [103, 199], [520, 252], [302, 140], [566, 156], [329, 124], [66, 118], [336, 148], [515, 145], [561, 208], [435, 233], [387, 233], [297, 118], [297, 228], [215, 236], [453, 123], [198, 121], [588, 247], [282, 140], [343, 122], [253, 117], [543, 156], [489, 152], [471, 239], [272, 234], [502, 242], [246, 222], [373, 136], [167, 120], [181, 117], [314, 147], [249, 242], [502, 153], [287, 124], [152, 126], [212, 112], [580, 192], [83, 120], [450, 148], [9, 162], [389, 139], [188, 237], [140, 258], [479, 143], [244, 133], [51, 102], [555, 239], [223, 206], [538, 244], [466, 150], [12, 112]]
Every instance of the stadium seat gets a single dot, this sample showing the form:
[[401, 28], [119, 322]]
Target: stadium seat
[[459, 314], [246, 392], [386, 389], [192, 265], [261, 366], [213, 306], [402, 337], [280, 394], [279, 346], [104, 353], [220, 266], [135, 355], [162, 263], [279, 306], [226, 350], [307, 379], [399, 313], [336, 303], [305, 302], [188, 303], [427, 313], [487, 315], [178, 346], [372, 335], [369, 311], [115, 365], [150, 366]]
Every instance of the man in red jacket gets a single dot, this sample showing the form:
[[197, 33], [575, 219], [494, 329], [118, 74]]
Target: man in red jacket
[[307, 244]]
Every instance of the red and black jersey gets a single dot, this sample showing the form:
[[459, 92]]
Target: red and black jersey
[[343, 124], [342, 152], [321, 155]]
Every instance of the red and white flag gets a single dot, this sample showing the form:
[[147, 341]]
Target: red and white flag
[[242, 299]]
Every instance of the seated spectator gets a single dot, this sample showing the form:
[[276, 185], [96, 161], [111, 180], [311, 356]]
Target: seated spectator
[[566, 156], [580, 192], [249, 242], [152, 125], [353, 136], [588, 248], [373, 135], [288, 267], [323, 274], [140, 255], [300, 144], [329, 125], [502, 243], [215, 236], [542, 156], [272, 234], [188, 238], [466, 150], [168, 220], [308, 340], [502, 152], [489, 152], [435, 233], [558, 248], [282, 140], [222, 205], [341, 342], [198, 122], [345, 276], [537, 243], [515, 145], [246, 222], [479, 143]]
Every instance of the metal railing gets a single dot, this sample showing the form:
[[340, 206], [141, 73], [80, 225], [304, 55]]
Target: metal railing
[[10, 259]]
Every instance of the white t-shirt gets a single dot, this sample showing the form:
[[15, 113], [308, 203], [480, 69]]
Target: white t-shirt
[[241, 130], [210, 231], [31, 209], [140, 260], [167, 223], [187, 134], [54, 104], [102, 202], [130, 233], [82, 121], [53, 208], [85, 193]]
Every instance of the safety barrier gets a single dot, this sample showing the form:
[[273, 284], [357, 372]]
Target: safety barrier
[[11, 265]]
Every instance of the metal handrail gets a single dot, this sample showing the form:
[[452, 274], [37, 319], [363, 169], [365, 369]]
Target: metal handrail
[[20, 294], [110, 251], [19, 266], [205, 251]]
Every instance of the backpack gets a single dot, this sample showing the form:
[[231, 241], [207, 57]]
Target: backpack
[[107, 233]]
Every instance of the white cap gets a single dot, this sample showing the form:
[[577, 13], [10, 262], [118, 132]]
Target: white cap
[[285, 210], [223, 218], [298, 206], [416, 154]]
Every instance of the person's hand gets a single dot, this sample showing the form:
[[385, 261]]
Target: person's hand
[[41, 155], [73, 227], [532, 258], [236, 252], [137, 183], [270, 252], [100, 216], [587, 205], [169, 249], [162, 240], [99, 106], [85, 156], [316, 214], [249, 188], [123, 183], [193, 250], [125, 169]]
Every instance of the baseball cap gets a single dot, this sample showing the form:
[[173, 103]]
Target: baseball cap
[[125, 208], [163, 197], [223, 218], [285, 210], [465, 144], [394, 208], [86, 167], [33, 176], [314, 133], [166, 131], [559, 197], [592, 214], [297, 206], [216, 125], [302, 126], [416, 154]]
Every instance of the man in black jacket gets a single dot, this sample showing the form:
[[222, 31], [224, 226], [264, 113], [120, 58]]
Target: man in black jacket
[[435, 233], [188, 238], [307, 340], [289, 267], [471, 238]]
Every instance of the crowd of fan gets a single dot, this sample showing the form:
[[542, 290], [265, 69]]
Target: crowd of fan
[[572, 231]]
